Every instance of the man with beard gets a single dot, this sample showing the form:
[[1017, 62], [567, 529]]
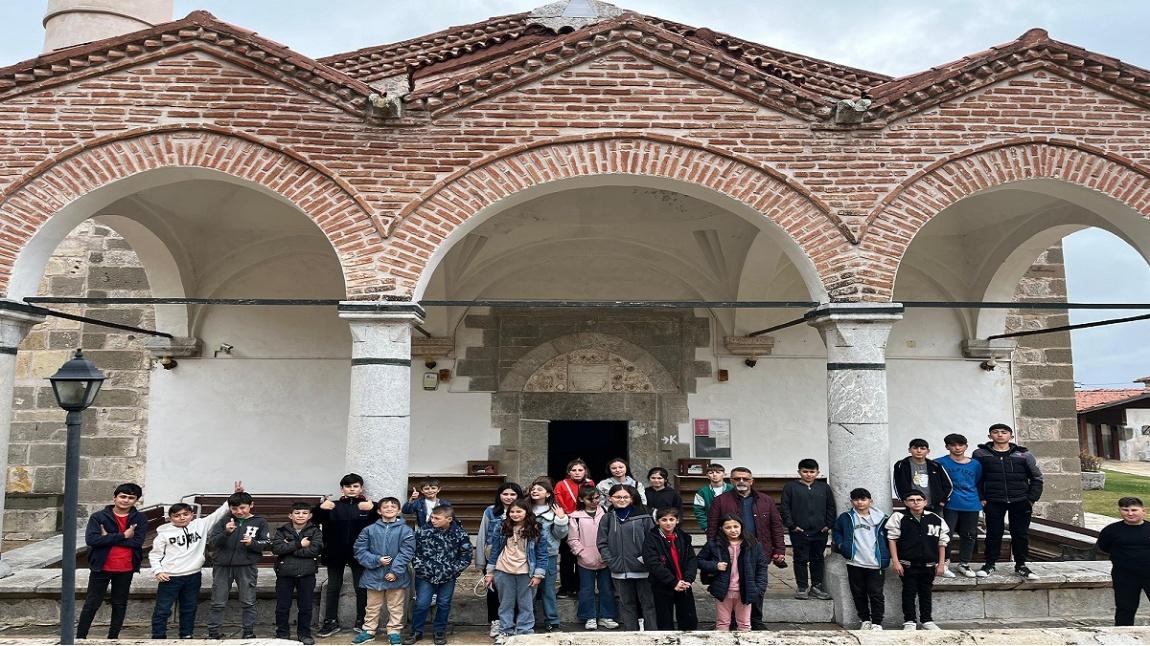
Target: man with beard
[[761, 522]]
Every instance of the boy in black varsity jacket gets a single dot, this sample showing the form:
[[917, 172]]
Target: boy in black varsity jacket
[[917, 540]]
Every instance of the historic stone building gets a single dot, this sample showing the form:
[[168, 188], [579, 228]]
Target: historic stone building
[[576, 152]]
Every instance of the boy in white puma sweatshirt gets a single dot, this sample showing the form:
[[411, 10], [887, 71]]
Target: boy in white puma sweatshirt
[[177, 559]]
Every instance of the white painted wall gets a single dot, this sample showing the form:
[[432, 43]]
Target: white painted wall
[[277, 424], [778, 408], [449, 426]]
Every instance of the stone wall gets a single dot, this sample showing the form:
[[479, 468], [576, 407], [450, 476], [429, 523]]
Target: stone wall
[[521, 347], [91, 262], [1044, 389]]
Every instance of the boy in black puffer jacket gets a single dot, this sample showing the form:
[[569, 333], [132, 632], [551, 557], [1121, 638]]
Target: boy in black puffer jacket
[[1011, 483], [671, 561], [297, 545], [342, 520]]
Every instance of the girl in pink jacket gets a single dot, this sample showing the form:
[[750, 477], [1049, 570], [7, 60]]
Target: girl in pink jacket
[[596, 595]]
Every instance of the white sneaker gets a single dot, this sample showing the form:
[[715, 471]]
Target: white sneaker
[[609, 624], [591, 625], [910, 625], [965, 570], [947, 574], [866, 625], [930, 625], [501, 638], [494, 632], [876, 627]]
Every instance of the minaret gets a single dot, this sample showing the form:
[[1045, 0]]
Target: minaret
[[75, 22]]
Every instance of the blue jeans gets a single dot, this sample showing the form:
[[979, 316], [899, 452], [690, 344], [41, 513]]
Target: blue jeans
[[588, 596], [547, 591], [444, 592], [515, 591], [184, 590]]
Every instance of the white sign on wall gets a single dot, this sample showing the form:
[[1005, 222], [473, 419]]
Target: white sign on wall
[[712, 439]]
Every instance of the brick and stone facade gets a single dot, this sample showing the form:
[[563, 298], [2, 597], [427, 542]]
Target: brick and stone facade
[[374, 166], [91, 262]]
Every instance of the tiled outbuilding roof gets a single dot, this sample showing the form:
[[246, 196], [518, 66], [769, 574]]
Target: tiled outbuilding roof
[[1085, 400]]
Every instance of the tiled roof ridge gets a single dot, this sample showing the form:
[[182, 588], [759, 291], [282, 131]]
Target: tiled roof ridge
[[240, 46], [842, 79], [750, 81], [391, 59], [1034, 48]]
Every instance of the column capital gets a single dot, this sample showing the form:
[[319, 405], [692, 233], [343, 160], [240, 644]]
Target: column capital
[[831, 313], [16, 319], [382, 311]]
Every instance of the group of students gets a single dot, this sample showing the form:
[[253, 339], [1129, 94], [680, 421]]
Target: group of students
[[633, 563]]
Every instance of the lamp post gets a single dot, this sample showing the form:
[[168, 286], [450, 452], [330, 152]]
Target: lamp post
[[75, 385]]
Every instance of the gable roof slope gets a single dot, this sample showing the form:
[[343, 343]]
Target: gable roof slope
[[631, 32], [198, 30], [405, 57], [1032, 50]]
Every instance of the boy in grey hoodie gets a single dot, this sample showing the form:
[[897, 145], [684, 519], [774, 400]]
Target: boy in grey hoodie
[[238, 541]]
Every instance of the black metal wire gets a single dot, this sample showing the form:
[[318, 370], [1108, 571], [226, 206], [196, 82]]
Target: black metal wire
[[1065, 328], [43, 311]]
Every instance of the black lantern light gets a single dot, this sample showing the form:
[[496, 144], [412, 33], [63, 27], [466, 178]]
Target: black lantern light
[[76, 383]]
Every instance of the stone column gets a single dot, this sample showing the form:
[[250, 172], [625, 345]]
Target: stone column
[[379, 414], [15, 323], [855, 335]]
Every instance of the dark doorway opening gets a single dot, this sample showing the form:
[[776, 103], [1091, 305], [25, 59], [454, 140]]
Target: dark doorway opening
[[595, 442]]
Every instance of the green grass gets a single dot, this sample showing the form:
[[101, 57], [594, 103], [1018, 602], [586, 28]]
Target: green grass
[[1118, 484]]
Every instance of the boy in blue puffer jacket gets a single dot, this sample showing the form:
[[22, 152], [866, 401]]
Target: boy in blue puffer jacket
[[860, 536], [442, 551], [385, 548]]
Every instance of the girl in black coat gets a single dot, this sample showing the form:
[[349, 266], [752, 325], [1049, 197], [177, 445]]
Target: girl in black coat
[[726, 557], [671, 561]]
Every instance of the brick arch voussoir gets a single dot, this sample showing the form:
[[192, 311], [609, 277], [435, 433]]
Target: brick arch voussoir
[[341, 213], [453, 200], [901, 215]]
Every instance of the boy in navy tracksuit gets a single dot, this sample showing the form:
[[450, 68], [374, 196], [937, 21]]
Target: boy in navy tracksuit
[[917, 540], [115, 539], [860, 536]]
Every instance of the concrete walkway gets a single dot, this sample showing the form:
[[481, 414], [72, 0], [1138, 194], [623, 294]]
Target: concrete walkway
[[1132, 467]]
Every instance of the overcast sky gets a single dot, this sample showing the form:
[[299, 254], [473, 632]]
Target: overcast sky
[[893, 37]]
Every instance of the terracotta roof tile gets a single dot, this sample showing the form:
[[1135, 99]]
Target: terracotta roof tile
[[1088, 399], [201, 30]]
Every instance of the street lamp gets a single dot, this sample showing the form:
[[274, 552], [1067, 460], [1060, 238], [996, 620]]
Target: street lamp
[[75, 385]]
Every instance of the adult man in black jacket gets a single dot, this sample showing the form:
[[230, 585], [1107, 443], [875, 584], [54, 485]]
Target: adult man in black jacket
[[1011, 484]]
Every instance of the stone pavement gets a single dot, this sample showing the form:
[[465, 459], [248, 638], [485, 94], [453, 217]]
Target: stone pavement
[[1073, 633]]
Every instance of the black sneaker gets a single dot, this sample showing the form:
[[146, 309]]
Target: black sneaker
[[248, 636], [307, 640], [553, 628], [1025, 573], [984, 571], [328, 629], [439, 639], [212, 636], [412, 638]]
